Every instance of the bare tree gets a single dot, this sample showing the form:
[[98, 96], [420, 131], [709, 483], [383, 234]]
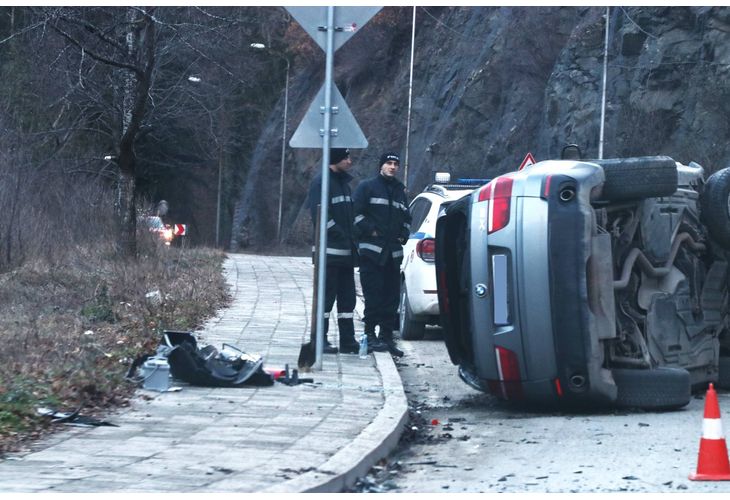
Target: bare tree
[[119, 83]]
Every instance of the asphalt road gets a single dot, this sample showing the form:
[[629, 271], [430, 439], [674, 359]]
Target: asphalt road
[[461, 440]]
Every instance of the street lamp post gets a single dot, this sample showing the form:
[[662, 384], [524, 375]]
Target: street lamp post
[[603, 93], [261, 46], [196, 79], [410, 98]]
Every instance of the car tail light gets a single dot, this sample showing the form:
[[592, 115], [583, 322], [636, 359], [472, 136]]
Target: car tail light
[[558, 388], [546, 186], [509, 385], [499, 194], [426, 249]]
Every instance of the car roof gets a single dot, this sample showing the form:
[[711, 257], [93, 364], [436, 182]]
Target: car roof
[[449, 191]]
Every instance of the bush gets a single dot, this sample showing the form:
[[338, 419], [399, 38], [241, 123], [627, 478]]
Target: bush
[[68, 332]]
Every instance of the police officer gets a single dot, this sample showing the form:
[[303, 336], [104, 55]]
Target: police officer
[[383, 222], [341, 251]]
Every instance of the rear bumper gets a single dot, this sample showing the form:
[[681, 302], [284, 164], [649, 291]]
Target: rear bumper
[[557, 291]]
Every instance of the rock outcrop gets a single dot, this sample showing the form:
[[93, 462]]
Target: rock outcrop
[[493, 83]]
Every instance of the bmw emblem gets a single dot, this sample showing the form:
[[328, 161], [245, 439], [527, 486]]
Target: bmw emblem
[[480, 290]]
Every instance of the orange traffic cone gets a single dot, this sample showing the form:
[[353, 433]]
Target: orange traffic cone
[[712, 464]]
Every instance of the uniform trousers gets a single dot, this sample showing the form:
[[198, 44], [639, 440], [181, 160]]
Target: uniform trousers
[[381, 289], [340, 286]]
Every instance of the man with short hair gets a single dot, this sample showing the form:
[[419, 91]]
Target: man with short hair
[[383, 222], [341, 253]]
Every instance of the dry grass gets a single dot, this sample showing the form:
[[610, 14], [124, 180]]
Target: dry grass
[[69, 331]]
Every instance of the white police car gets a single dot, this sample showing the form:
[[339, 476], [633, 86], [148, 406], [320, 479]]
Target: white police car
[[418, 299]]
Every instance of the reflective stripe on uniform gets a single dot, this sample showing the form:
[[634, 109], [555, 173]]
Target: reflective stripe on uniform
[[359, 218], [407, 226], [337, 251], [398, 253], [330, 223], [326, 315], [340, 199], [368, 246], [383, 201], [345, 315], [379, 201]]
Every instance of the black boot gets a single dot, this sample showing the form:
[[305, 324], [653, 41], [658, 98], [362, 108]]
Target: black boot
[[375, 344], [389, 342], [349, 346], [329, 348]]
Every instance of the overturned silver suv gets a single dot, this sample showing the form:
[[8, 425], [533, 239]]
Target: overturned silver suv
[[589, 281]]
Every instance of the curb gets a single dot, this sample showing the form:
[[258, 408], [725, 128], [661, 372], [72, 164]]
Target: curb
[[375, 442]]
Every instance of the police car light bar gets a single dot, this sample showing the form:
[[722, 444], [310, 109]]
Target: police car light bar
[[442, 177], [472, 182]]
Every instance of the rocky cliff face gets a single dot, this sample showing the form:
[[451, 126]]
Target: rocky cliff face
[[493, 83]]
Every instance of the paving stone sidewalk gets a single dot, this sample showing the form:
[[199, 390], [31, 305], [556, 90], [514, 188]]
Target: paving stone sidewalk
[[310, 437]]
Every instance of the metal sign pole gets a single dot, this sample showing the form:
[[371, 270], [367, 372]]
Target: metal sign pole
[[324, 199]]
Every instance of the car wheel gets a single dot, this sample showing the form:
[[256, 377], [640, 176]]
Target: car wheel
[[723, 378], [657, 389], [410, 329], [639, 178], [716, 206]]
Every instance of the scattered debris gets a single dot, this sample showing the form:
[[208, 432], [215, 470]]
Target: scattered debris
[[154, 297], [294, 379], [206, 366], [72, 418]]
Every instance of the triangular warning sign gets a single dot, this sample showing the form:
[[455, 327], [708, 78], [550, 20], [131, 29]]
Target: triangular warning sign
[[344, 133], [529, 160], [347, 21]]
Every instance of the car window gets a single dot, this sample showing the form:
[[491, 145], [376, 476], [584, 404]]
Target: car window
[[419, 210]]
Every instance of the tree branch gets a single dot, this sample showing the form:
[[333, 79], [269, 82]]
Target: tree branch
[[95, 56]]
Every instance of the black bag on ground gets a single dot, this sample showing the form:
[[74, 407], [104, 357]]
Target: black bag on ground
[[210, 368]]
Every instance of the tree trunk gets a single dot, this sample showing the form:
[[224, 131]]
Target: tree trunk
[[127, 240], [136, 90]]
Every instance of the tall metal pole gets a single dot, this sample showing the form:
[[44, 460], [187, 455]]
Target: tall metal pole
[[283, 152], [410, 98], [603, 95], [324, 199]]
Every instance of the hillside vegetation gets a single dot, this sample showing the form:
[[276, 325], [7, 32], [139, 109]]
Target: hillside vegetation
[[69, 331]]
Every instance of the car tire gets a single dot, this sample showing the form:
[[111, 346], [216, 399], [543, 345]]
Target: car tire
[[656, 389], [410, 329], [638, 178], [715, 206], [723, 377]]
